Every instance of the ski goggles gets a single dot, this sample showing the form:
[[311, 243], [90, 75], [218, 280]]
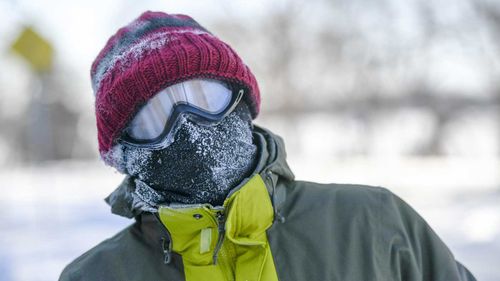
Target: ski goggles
[[209, 101]]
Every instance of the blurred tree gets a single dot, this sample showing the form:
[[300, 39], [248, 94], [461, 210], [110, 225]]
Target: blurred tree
[[351, 58], [48, 129], [490, 12]]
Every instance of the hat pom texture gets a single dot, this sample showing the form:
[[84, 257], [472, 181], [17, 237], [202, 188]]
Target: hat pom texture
[[153, 52]]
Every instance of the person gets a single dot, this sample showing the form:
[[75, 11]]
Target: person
[[211, 193]]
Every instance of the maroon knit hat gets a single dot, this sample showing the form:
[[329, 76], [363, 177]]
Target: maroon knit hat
[[153, 52]]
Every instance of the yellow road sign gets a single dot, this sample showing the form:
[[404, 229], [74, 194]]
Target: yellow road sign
[[34, 49]]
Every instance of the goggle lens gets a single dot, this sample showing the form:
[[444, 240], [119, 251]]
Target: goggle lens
[[208, 96]]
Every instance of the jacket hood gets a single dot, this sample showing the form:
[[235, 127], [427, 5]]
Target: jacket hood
[[271, 159]]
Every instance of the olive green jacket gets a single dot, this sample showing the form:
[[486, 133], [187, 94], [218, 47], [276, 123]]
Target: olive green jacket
[[335, 232]]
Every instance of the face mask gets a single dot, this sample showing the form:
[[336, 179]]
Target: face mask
[[201, 165]]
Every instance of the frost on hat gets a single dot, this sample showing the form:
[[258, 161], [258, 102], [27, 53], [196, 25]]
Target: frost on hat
[[153, 52]]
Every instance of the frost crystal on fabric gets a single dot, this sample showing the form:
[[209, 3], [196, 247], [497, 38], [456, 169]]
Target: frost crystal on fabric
[[145, 198], [125, 57], [202, 165]]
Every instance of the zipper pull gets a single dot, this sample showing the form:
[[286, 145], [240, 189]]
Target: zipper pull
[[221, 229], [221, 220], [167, 249], [167, 253]]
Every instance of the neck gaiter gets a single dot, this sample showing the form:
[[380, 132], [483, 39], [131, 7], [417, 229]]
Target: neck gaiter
[[202, 165]]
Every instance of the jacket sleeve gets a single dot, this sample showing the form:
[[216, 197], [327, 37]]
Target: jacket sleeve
[[414, 252], [69, 274]]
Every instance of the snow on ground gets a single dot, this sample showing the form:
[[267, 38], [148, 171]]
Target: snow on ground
[[50, 215]]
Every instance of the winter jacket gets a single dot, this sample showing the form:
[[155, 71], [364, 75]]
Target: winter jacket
[[275, 228]]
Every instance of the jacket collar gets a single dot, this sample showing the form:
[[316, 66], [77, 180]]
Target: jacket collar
[[274, 146], [271, 165], [196, 231]]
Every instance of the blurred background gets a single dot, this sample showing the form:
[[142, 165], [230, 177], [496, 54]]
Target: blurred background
[[402, 94]]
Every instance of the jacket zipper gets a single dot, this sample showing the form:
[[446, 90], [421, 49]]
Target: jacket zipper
[[167, 238], [221, 229]]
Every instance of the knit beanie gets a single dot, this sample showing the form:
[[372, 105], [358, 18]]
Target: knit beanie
[[153, 52]]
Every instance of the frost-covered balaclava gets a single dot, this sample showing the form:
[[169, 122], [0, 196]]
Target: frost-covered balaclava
[[153, 52], [201, 165]]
